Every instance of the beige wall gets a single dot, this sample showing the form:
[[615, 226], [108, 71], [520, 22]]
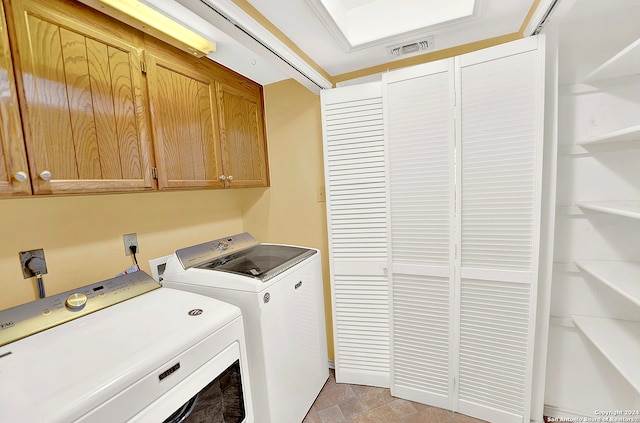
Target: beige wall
[[82, 235], [289, 212]]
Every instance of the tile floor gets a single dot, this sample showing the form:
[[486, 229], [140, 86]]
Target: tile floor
[[344, 403]]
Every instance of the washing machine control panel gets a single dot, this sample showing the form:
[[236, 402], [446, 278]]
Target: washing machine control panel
[[28, 319], [209, 251]]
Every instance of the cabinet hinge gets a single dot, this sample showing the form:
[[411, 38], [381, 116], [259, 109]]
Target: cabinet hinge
[[143, 66], [154, 173]]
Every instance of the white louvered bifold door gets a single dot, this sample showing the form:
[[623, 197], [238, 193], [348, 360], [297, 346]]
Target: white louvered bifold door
[[499, 170], [355, 174], [420, 121]]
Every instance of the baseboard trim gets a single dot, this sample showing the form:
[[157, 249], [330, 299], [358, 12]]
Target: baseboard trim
[[559, 412]]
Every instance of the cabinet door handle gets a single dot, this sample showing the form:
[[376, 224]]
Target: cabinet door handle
[[20, 176], [230, 178], [45, 175], [222, 178]]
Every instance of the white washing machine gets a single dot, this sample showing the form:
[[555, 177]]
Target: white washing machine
[[279, 290], [124, 350]]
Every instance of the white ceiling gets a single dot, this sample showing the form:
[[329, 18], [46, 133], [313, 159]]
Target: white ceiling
[[247, 47], [309, 25], [303, 23], [350, 4]]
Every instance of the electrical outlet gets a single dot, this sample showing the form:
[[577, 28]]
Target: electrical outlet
[[130, 240]]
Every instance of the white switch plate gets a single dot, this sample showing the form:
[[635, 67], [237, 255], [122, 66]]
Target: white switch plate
[[321, 194]]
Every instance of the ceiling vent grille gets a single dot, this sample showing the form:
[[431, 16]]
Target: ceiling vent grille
[[412, 47]]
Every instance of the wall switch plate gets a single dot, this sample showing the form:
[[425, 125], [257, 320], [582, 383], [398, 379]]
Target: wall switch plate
[[321, 194], [130, 240], [26, 256]]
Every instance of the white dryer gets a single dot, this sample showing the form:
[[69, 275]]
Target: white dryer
[[279, 291], [124, 350]]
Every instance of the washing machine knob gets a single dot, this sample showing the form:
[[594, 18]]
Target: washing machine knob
[[223, 245], [76, 302]]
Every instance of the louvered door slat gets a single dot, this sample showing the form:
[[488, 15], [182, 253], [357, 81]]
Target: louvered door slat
[[499, 176], [420, 122], [356, 188]]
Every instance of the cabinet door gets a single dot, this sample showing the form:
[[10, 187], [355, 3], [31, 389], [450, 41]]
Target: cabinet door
[[13, 160], [184, 124], [82, 99], [244, 150]]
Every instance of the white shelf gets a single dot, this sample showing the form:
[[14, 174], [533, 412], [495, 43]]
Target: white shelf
[[618, 341], [626, 62], [620, 208], [622, 277], [623, 135]]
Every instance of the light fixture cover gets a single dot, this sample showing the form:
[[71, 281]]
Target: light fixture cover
[[148, 16]]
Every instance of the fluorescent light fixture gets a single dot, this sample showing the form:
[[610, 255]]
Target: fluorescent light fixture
[[198, 45], [235, 22]]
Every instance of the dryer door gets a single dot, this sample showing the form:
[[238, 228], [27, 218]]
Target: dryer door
[[183, 413], [221, 399]]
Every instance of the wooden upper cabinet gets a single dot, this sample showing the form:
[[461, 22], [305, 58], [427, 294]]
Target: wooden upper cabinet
[[184, 123], [87, 111], [14, 171], [244, 149], [82, 100], [207, 122]]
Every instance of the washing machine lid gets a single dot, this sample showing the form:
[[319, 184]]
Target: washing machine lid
[[261, 262], [62, 373], [242, 254]]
